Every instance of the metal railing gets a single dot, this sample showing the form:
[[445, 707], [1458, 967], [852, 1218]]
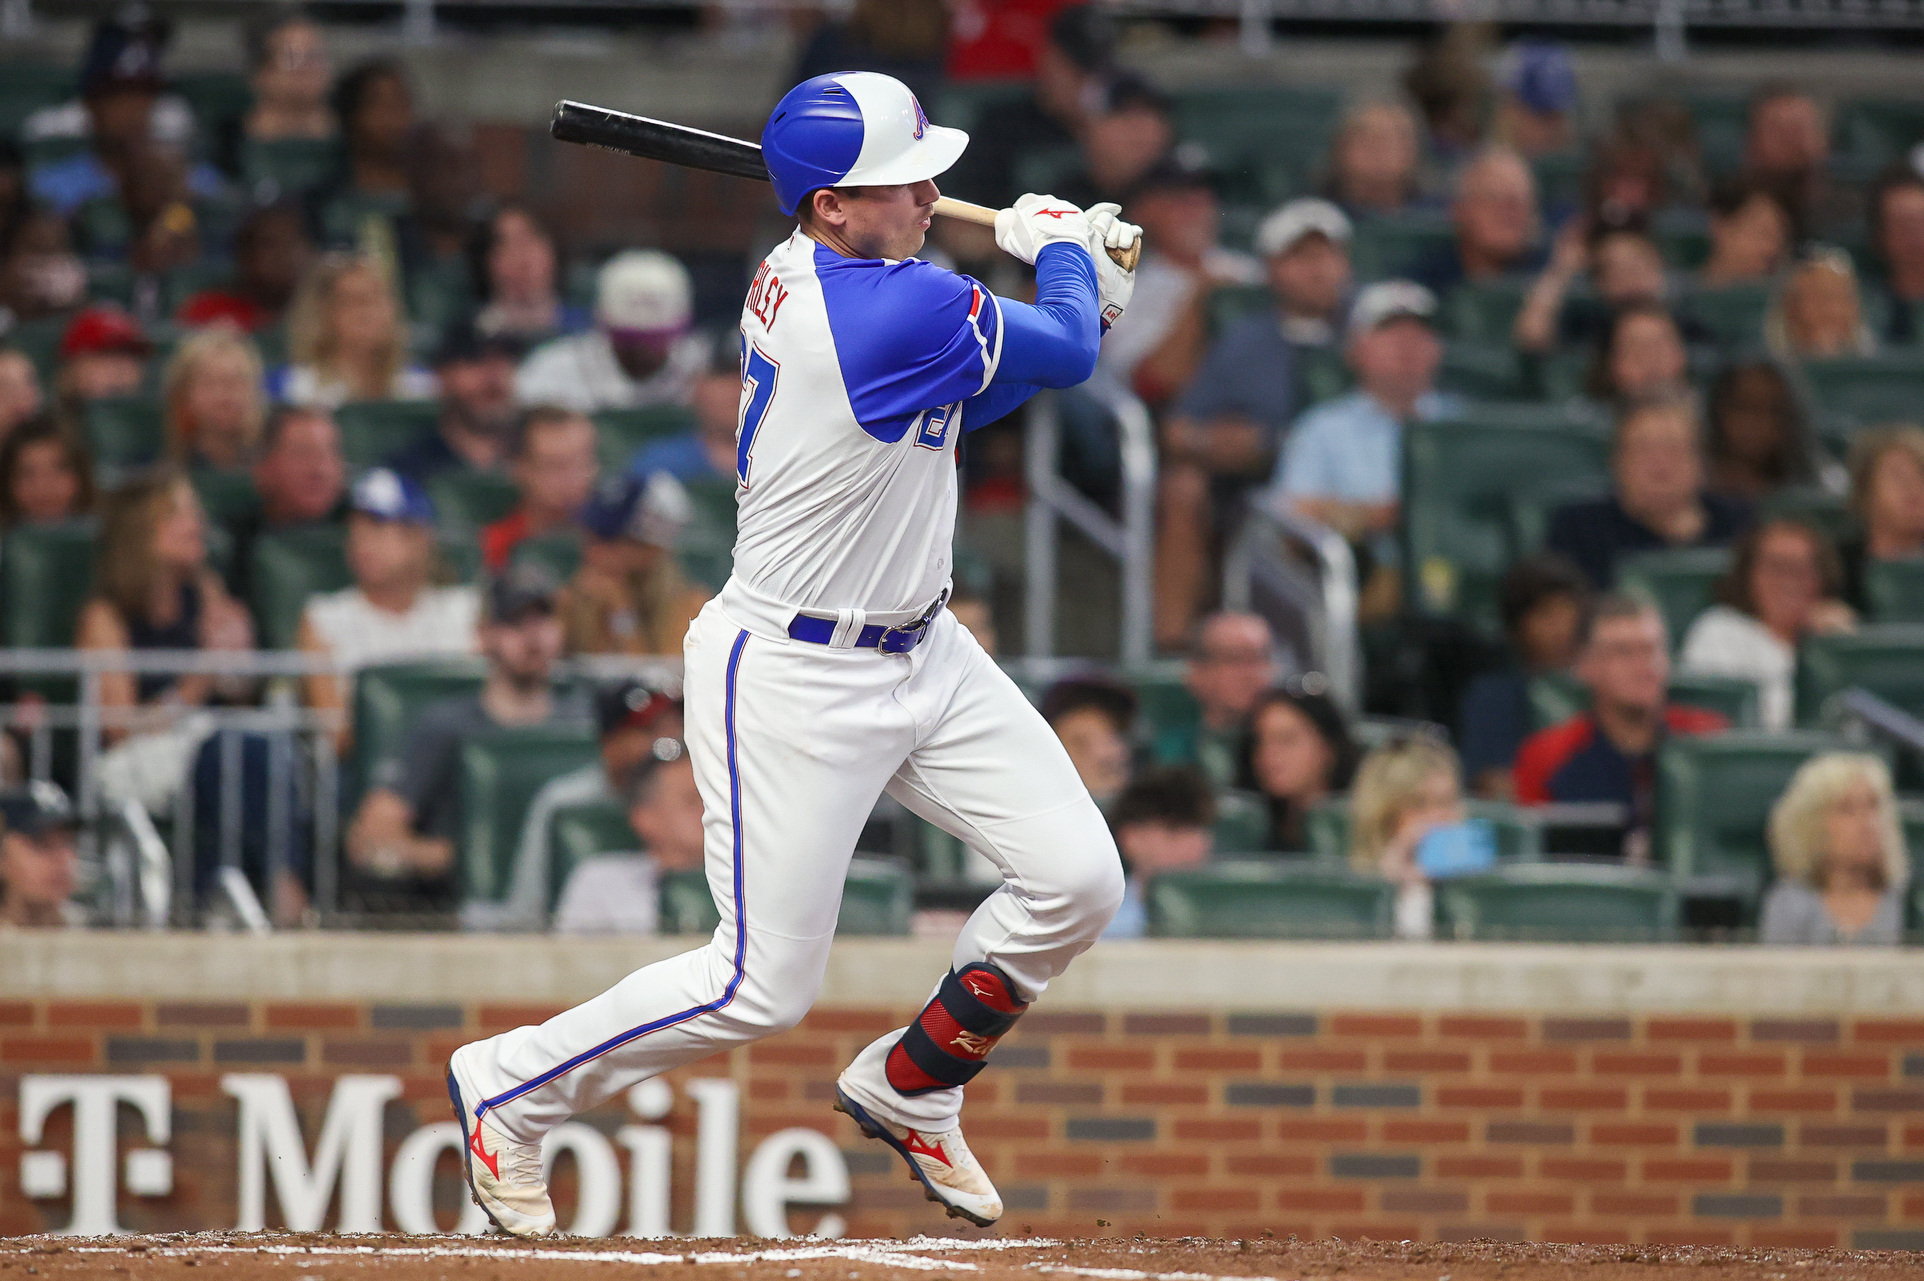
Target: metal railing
[[1128, 539], [1301, 575]]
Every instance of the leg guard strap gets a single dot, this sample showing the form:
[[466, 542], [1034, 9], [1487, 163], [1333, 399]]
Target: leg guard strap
[[950, 1041]]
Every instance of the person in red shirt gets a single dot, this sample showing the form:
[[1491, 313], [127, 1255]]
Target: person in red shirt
[[1609, 752], [554, 464], [271, 253]]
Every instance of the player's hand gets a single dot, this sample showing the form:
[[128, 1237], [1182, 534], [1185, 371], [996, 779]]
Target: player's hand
[[1035, 221], [1114, 285]]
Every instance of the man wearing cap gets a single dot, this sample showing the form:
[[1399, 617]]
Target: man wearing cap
[[1537, 105], [400, 845], [629, 596], [476, 373], [103, 353], [615, 893], [640, 351], [631, 717], [39, 866]]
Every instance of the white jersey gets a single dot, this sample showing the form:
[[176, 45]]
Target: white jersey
[[853, 376]]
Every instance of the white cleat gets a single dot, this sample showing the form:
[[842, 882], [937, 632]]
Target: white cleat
[[949, 1173], [504, 1177]]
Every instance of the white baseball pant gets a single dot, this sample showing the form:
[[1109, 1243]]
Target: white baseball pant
[[792, 744]]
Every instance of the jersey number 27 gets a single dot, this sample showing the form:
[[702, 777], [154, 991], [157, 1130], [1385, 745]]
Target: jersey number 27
[[758, 389]]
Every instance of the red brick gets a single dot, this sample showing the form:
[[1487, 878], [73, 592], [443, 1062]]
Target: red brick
[[1776, 1169], [1888, 1031], [1269, 1165], [1422, 1131], [1166, 1165], [1165, 1094], [1325, 1129], [1753, 1063], [100, 1014], [1633, 1133], [1659, 1099], [1696, 1169], [1624, 1063], [1009, 1127], [1377, 1231], [1529, 1202], [1913, 1207], [1478, 1096], [1058, 1165], [1111, 1058], [1228, 1131], [1852, 1206], [1483, 1027], [1833, 1063], [1613, 1202], [1583, 1098], [1802, 1238], [1584, 1169], [1424, 1200], [1913, 1136], [1165, 1025], [1840, 1136], [1218, 1060], [1793, 1100], [1690, 1029], [847, 1018], [1319, 1199], [21, 1051], [769, 1088], [1426, 1060], [329, 1016], [1323, 1060], [1689, 1236], [361, 1052], [1478, 1166], [224, 1014], [794, 1053], [1214, 1200], [1533, 1062], [1376, 1025], [16, 1013]]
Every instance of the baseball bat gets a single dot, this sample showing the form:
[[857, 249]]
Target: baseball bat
[[699, 149]]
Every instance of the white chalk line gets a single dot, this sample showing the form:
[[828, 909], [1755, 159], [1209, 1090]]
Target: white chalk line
[[1131, 1274]]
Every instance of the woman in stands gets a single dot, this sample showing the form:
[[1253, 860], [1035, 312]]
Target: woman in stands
[[215, 402], [1784, 584], [1405, 790], [1373, 160], [1818, 312], [1640, 357], [514, 259], [1750, 236], [347, 339], [20, 397], [1887, 494], [1840, 858], [1757, 441], [1300, 752], [45, 476]]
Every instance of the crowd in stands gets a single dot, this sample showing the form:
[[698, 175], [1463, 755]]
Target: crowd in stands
[[301, 334]]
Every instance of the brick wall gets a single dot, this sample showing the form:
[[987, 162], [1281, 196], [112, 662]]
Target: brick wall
[[1760, 1131]]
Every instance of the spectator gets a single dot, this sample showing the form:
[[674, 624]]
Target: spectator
[[1840, 858], [1225, 429], [1093, 717], [1608, 753], [629, 596], [639, 353], [1537, 100], [906, 39], [1640, 357], [401, 842], [103, 353], [1897, 231], [19, 390], [475, 374], [707, 452], [616, 893], [41, 275], [45, 475], [1300, 753], [1758, 443], [1496, 219], [213, 396], [1162, 823], [346, 339], [1626, 270], [1657, 500], [272, 253], [1120, 141], [1405, 790], [301, 478], [1542, 599], [1750, 235], [1627, 181], [1817, 313], [1341, 464], [288, 70], [374, 105], [1232, 660], [1887, 496], [1787, 148], [1450, 85], [394, 612], [1783, 585], [1373, 159], [554, 465], [515, 264], [39, 859], [1157, 345]]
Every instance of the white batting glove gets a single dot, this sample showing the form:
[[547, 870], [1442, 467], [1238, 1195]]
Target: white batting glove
[[1114, 285], [1035, 221]]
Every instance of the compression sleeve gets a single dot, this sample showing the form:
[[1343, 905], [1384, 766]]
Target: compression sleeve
[[1000, 399], [1054, 342]]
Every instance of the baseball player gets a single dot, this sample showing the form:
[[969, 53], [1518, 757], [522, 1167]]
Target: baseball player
[[827, 670]]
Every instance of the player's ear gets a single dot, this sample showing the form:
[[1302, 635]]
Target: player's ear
[[826, 203]]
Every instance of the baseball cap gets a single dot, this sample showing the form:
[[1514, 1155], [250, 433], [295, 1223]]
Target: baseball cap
[[1378, 304], [650, 509], [1279, 232], [645, 290], [1538, 74], [1085, 35], [388, 495], [124, 52], [38, 807], [520, 590], [103, 327], [463, 341], [1185, 168], [632, 704]]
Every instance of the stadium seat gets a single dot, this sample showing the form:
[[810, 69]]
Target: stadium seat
[[1714, 795], [1484, 313], [1242, 823], [1556, 697], [1266, 139], [1230, 303], [620, 433], [578, 833], [558, 552], [686, 906], [877, 898], [26, 86], [1734, 314], [1885, 658], [1894, 589], [1478, 493], [39, 341], [707, 548], [1819, 508], [1393, 244], [1683, 583], [372, 431], [1868, 389], [219, 98], [1518, 839], [286, 567], [1876, 131], [1559, 902], [1268, 899], [1481, 371], [960, 105], [225, 496], [47, 572], [1164, 704], [124, 433], [387, 699], [499, 773], [288, 166], [465, 498]]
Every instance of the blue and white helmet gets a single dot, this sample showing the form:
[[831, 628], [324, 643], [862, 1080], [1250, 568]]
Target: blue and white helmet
[[852, 129]]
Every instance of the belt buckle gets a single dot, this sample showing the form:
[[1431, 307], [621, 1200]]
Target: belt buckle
[[900, 640]]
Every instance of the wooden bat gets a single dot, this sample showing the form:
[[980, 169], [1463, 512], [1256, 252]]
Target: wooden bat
[[698, 149]]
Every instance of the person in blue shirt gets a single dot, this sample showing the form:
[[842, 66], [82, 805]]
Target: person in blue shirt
[[705, 452], [1542, 599], [1162, 824]]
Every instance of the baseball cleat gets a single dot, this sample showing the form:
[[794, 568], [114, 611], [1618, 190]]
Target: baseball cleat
[[504, 1177], [948, 1172]]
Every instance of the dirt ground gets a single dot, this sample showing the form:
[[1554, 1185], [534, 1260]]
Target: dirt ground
[[234, 1256]]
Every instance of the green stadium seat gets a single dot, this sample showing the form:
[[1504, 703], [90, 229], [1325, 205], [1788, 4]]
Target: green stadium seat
[[1821, 509], [225, 496], [500, 771], [877, 898], [1734, 314], [27, 86], [1265, 139], [1230, 303], [47, 572], [1556, 697], [460, 557], [219, 98], [707, 548], [286, 567], [1322, 374], [1478, 493], [1481, 371], [372, 431], [1560, 902], [1163, 700], [559, 553], [960, 106], [1894, 589], [125, 433], [1390, 245], [1721, 120], [1878, 131], [1518, 837], [39, 341], [1869, 389], [1560, 178], [1242, 823], [1885, 658], [1266, 899], [577, 833], [621, 433], [389, 696], [1683, 583], [288, 166], [1714, 795], [1484, 313], [467, 498]]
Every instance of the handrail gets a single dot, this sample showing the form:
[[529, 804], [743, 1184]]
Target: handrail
[[269, 663], [1877, 715], [1130, 540], [1328, 604]]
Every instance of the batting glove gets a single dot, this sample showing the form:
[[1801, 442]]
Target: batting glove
[[1035, 221], [1114, 284]]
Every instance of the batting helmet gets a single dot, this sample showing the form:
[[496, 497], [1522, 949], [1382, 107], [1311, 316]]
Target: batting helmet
[[852, 129]]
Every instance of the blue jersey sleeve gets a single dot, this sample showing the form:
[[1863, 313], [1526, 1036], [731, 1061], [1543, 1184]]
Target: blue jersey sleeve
[[1053, 343]]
